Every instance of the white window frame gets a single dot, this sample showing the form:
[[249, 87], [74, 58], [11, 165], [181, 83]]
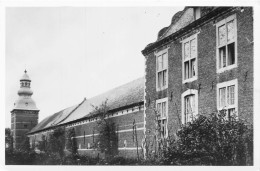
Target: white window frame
[[187, 93], [160, 53], [195, 36], [225, 21], [226, 84], [166, 113]]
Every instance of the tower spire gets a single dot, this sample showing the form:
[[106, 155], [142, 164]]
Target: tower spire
[[25, 112]]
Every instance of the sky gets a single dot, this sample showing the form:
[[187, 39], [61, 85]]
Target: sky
[[76, 52]]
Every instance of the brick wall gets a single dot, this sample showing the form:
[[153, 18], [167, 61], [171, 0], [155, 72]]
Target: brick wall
[[122, 119], [18, 122], [207, 75]]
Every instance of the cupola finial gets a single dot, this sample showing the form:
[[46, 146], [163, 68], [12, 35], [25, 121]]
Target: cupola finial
[[25, 71]]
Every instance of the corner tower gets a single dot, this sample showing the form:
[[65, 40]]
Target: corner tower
[[24, 115]]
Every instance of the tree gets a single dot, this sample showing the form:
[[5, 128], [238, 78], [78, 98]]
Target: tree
[[71, 142], [8, 139], [56, 141], [25, 146], [42, 146], [107, 139]]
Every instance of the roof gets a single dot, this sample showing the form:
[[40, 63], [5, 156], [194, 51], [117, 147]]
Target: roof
[[25, 77], [182, 22], [125, 95], [25, 103]]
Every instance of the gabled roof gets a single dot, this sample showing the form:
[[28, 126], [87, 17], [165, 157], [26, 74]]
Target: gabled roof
[[182, 22], [125, 95], [179, 20]]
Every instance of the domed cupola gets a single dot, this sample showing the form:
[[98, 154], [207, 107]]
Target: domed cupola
[[25, 83], [25, 101], [25, 114]]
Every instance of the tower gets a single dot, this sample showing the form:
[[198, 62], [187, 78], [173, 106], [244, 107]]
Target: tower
[[24, 115]]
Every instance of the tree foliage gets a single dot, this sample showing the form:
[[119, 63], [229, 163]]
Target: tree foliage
[[42, 146], [71, 142], [8, 139], [107, 139], [212, 140], [25, 145], [56, 141]]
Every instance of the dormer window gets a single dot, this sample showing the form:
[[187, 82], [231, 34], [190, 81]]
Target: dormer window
[[197, 13]]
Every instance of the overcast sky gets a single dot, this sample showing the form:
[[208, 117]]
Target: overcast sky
[[74, 52]]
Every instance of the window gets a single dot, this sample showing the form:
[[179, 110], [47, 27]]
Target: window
[[161, 70], [227, 97], [197, 13], [88, 145], [79, 146], [162, 109], [226, 44], [189, 58], [189, 105]]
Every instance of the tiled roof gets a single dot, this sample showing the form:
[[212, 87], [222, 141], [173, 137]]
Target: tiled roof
[[127, 94], [53, 119]]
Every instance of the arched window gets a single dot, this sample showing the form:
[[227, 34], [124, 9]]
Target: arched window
[[189, 105]]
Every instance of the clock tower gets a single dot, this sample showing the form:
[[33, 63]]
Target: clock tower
[[24, 115]]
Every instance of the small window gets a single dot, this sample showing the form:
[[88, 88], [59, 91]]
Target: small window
[[227, 97], [25, 126], [189, 59], [88, 145], [161, 68], [125, 143], [79, 146], [162, 110], [197, 13], [226, 44], [189, 105]]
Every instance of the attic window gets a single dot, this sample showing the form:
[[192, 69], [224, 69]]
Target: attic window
[[197, 13]]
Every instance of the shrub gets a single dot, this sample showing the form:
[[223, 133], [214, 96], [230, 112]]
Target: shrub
[[212, 140]]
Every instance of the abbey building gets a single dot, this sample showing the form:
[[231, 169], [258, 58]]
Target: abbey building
[[201, 63]]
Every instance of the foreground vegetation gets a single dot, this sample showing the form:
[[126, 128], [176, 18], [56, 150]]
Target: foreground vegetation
[[208, 140]]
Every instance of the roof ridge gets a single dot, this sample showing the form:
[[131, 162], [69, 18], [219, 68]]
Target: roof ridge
[[73, 110], [116, 87]]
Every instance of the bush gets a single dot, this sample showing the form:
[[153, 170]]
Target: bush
[[211, 140]]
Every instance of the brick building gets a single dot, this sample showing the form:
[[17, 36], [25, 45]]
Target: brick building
[[201, 63], [24, 115], [125, 108]]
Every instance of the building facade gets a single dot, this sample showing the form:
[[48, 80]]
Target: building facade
[[24, 115], [200, 64], [125, 109]]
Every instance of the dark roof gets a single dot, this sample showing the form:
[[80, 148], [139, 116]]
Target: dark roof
[[125, 95]]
